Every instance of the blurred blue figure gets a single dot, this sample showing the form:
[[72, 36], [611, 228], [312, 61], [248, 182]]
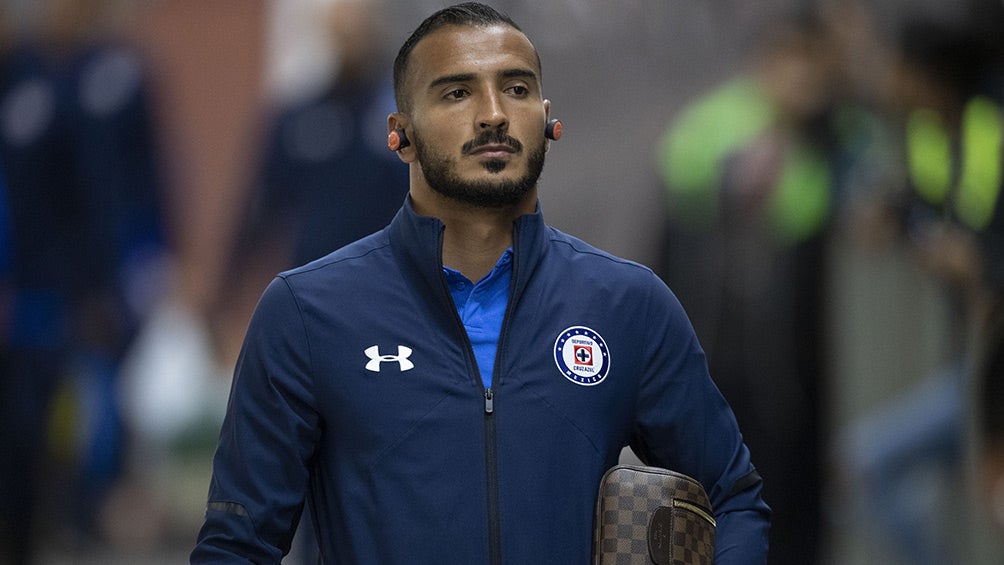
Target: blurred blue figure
[[117, 160], [327, 176], [49, 256], [84, 217]]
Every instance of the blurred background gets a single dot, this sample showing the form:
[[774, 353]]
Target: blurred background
[[818, 181]]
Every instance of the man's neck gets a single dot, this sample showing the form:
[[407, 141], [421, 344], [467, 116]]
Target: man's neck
[[473, 247], [474, 238]]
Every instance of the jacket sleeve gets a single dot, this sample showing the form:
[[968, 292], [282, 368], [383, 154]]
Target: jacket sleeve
[[269, 434], [684, 424]]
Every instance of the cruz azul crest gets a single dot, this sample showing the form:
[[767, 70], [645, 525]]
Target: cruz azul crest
[[582, 356]]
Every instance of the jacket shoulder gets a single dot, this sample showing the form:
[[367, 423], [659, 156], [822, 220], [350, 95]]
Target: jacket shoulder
[[369, 248], [579, 250]]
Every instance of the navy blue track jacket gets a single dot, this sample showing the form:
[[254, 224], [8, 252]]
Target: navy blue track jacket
[[357, 388]]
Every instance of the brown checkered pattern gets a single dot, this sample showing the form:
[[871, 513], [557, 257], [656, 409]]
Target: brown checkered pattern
[[640, 520]]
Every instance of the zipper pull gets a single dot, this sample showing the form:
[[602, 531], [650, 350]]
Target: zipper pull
[[489, 401]]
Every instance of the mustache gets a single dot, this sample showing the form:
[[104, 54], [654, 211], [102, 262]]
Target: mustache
[[491, 137]]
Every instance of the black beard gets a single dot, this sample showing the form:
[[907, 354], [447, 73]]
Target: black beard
[[439, 173]]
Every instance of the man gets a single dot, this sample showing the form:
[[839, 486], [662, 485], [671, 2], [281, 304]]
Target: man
[[429, 419]]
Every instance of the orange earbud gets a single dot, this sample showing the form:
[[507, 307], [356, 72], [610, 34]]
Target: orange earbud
[[397, 140], [553, 129]]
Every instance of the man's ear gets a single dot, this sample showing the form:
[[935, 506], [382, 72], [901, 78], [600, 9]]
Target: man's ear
[[397, 138]]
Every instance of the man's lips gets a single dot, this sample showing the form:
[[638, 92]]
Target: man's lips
[[493, 150]]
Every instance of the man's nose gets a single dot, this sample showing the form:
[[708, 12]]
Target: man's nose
[[493, 114]]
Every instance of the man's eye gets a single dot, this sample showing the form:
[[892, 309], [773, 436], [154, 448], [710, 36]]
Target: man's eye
[[519, 90], [456, 94]]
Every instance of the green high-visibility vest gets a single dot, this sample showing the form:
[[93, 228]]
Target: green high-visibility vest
[[933, 171], [691, 155]]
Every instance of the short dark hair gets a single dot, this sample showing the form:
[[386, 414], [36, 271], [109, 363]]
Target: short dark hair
[[472, 14]]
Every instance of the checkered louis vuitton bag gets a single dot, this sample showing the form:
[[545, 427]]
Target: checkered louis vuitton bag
[[647, 515]]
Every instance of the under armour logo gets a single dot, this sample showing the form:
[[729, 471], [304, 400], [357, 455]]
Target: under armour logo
[[376, 359]]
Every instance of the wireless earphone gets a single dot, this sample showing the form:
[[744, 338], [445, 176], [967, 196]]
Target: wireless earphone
[[397, 140], [553, 129]]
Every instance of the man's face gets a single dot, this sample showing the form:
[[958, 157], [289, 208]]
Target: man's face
[[477, 114]]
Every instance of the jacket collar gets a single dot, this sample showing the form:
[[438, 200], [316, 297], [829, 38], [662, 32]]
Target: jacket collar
[[418, 244]]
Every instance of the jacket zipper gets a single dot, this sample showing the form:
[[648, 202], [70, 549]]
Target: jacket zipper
[[491, 466], [491, 451]]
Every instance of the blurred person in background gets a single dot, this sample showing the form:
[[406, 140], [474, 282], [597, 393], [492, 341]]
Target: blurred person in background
[[754, 173], [326, 178], [908, 455], [82, 184]]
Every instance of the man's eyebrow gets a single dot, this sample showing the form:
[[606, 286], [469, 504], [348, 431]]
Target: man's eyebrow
[[466, 77], [518, 73], [448, 79]]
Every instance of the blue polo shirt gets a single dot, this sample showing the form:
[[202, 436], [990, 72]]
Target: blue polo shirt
[[481, 307]]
